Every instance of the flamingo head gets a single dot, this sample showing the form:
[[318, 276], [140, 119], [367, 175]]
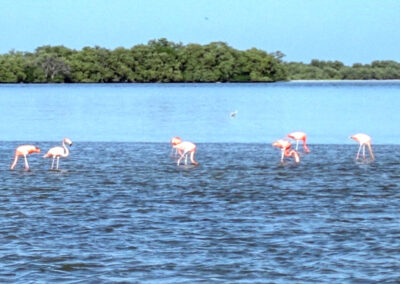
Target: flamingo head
[[283, 144], [67, 141], [176, 140]]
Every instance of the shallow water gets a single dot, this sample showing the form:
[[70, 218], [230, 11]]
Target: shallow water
[[124, 212], [329, 112]]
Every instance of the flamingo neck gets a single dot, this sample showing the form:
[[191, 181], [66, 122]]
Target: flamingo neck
[[288, 153], [66, 150]]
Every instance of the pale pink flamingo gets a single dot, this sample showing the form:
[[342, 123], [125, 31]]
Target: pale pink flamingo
[[57, 152], [184, 149], [24, 150], [299, 136], [364, 140], [285, 147], [175, 141]]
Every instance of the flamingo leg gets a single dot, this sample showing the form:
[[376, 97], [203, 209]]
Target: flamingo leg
[[26, 162], [371, 152], [192, 158], [358, 153], [186, 156], [282, 155], [297, 145], [363, 151], [58, 162], [14, 162], [179, 160], [52, 163]]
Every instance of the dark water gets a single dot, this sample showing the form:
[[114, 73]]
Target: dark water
[[124, 213]]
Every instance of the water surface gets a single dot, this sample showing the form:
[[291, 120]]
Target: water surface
[[123, 212], [329, 112]]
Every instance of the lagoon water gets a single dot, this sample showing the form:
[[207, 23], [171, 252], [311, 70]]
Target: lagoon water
[[121, 211], [328, 111]]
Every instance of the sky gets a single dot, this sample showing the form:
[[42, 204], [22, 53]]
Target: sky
[[351, 31]]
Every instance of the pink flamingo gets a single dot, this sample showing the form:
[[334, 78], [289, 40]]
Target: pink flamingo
[[364, 140], [184, 148], [175, 141], [24, 150], [285, 146], [57, 152], [299, 136]]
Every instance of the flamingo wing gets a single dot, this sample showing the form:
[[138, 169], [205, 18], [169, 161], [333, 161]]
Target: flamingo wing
[[55, 152]]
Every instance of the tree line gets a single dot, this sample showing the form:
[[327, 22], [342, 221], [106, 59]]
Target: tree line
[[165, 61], [158, 61], [336, 70]]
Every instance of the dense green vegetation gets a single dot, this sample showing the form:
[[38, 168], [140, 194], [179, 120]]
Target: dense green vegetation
[[336, 70], [158, 61], [165, 61]]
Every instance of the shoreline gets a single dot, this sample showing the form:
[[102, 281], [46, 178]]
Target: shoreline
[[201, 83]]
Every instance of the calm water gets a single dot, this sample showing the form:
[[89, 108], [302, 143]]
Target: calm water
[[329, 112], [123, 212]]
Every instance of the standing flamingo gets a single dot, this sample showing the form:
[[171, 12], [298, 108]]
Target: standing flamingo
[[57, 152], [285, 146], [184, 148], [24, 150], [175, 141], [299, 136], [364, 140]]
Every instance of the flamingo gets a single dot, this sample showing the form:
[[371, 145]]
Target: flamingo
[[285, 146], [299, 136], [184, 148], [57, 152], [24, 150], [364, 140]]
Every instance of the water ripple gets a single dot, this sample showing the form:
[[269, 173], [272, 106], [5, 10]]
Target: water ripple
[[240, 216]]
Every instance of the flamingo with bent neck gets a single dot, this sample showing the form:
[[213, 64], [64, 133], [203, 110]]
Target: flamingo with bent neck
[[57, 152], [286, 150], [299, 136], [23, 151], [363, 140]]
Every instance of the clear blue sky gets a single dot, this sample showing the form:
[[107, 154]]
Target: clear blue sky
[[347, 30]]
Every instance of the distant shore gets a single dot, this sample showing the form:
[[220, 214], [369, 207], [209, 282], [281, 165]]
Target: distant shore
[[162, 61]]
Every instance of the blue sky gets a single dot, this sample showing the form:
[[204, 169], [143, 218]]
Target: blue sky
[[347, 30]]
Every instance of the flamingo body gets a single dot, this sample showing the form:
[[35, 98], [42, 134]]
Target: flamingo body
[[184, 149], [23, 151], [57, 152], [299, 136], [364, 140], [286, 151]]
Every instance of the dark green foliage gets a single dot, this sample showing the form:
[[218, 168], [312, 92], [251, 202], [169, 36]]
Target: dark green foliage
[[335, 70], [164, 61], [158, 61]]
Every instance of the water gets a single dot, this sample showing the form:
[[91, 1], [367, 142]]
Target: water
[[123, 212], [328, 112]]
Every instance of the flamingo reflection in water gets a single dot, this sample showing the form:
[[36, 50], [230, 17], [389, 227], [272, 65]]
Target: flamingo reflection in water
[[286, 150], [363, 140]]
